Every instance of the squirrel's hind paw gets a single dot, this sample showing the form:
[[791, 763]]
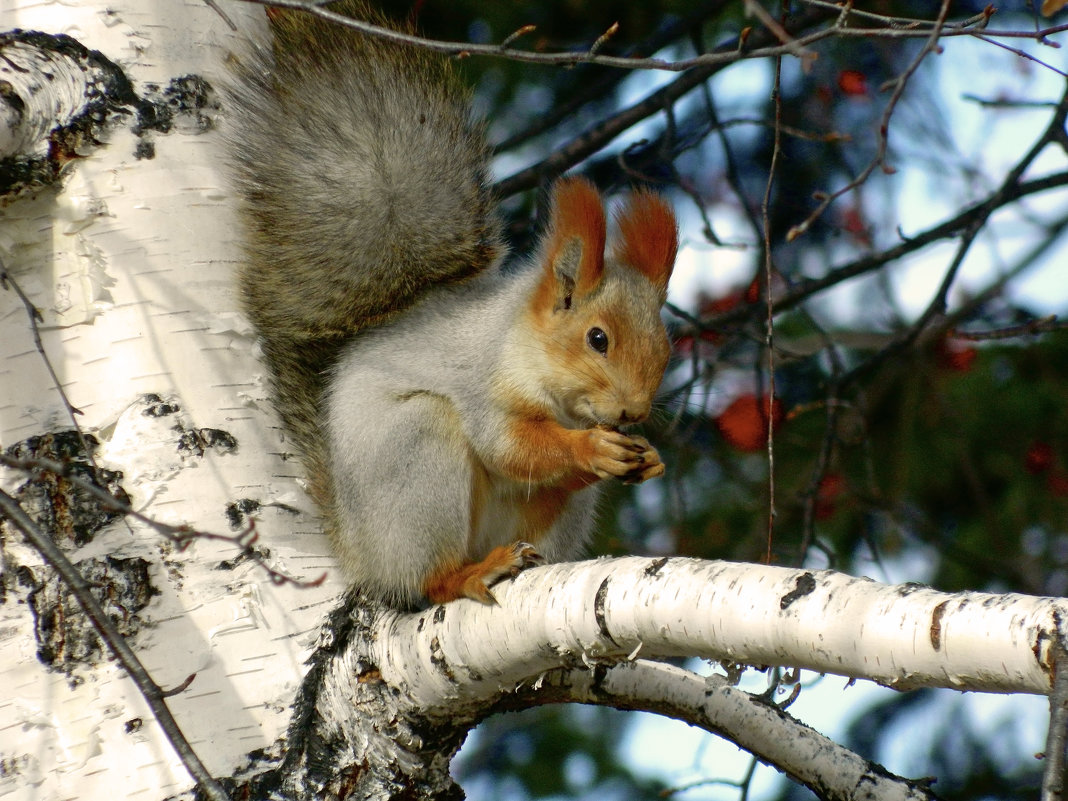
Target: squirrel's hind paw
[[474, 580]]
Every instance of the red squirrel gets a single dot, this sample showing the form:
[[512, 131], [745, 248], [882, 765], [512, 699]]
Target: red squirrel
[[454, 419]]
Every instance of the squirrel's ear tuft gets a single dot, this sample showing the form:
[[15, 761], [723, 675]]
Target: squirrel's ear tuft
[[648, 237], [575, 254]]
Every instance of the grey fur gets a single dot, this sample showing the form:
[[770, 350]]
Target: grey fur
[[361, 182]]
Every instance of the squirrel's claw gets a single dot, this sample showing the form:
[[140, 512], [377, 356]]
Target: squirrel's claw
[[504, 561], [645, 473]]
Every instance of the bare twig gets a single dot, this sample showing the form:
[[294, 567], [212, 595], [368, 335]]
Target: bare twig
[[936, 307], [805, 289], [805, 55], [769, 327], [602, 86], [522, 31], [1056, 230], [922, 30], [225, 17], [6, 279], [832, 404], [182, 536], [153, 694], [975, 224], [1041, 325], [883, 139], [593, 139], [1022, 54], [895, 23], [1006, 103], [560, 59]]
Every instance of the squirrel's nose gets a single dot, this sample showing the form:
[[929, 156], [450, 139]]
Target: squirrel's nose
[[633, 412]]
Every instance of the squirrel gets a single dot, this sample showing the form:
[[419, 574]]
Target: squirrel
[[454, 415]]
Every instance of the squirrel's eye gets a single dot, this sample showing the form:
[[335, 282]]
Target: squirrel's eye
[[597, 339]]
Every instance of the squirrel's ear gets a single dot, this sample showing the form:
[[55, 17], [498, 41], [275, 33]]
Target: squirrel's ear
[[648, 237], [574, 256]]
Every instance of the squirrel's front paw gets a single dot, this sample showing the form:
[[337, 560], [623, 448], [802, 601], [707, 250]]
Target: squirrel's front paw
[[619, 455], [650, 467]]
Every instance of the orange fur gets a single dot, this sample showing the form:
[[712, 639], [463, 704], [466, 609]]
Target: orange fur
[[544, 452], [541, 510], [472, 580], [649, 237], [577, 213]]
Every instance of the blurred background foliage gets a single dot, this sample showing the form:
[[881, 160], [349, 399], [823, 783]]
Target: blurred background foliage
[[907, 437]]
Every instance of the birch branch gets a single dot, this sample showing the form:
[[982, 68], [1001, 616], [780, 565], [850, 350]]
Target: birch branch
[[434, 674], [904, 636], [763, 729]]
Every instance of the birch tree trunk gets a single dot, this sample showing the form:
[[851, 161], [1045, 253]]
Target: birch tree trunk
[[128, 257], [122, 238]]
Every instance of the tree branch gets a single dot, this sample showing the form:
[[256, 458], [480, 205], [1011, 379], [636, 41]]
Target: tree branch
[[922, 29], [763, 729], [805, 289], [900, 636], [606, 82], [980, 215], [883, 140], [593, 139], [439, 671]]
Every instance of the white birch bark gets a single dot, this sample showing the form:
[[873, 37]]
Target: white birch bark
[[130, 264], [903, 636]]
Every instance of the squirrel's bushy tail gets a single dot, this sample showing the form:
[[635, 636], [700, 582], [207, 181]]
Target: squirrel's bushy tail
[[362, 182]]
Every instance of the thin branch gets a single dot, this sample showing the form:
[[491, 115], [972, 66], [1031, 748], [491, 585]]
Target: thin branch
[[561, 59], [598, 136], [711, 703], [935, 308], [896, 23], [153, 694], [606, 82], [769, 322], [1005, 103], [938, 304], [970, 27], [805, 289], [35, 316], [1055, 230], [811, 494], [1041, 325], [883, 139], [181, 535], [1022, 54], [225, 17], [777, 29]]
